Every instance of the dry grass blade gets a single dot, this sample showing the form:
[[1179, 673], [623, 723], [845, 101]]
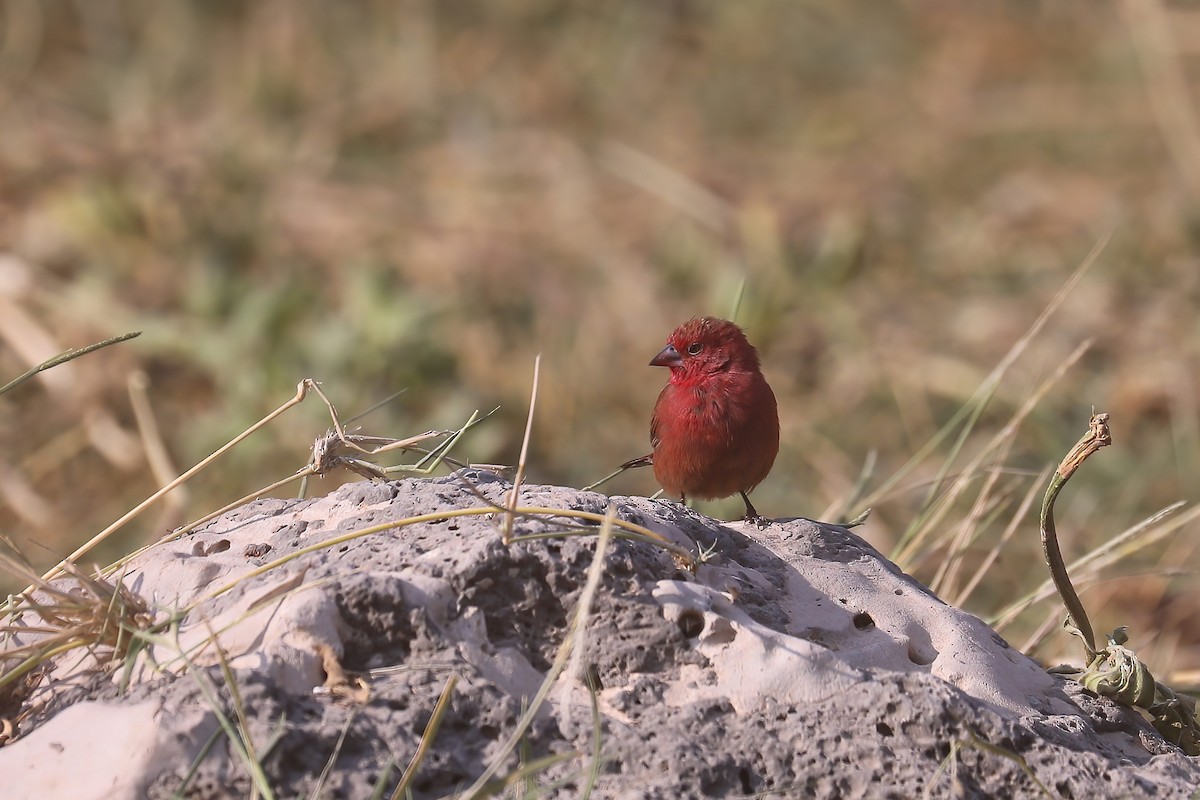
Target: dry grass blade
[[237, 733], [182, 792], [973, 409], [318, 789], [80, 611], [157, 455], [155, 448], [974, 741], [63, 358], [964, 535], [628, 530], [1013, 523], [253, 756], [575, 633], [327, 454], [927, 522], [301, 390], [593, 772], [633, 463], [331, 451], [431, 729], [509, 518], [668, 184], [435, 456], [1087, 568], [526, 773], [840, 508], [1166, 78]]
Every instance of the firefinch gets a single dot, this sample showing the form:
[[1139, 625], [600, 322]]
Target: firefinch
[[715, 427]]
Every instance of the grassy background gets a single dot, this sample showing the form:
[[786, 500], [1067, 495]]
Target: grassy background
[[420, 195]]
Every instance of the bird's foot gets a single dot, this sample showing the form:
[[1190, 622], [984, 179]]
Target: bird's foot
[[758, 520], [752, 515]]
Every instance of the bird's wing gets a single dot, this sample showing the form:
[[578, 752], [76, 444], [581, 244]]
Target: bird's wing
[[655, 438]]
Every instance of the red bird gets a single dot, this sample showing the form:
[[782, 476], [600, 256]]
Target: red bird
[[715, 427]]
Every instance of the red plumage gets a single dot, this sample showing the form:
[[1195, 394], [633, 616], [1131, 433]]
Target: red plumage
[[715, 427]]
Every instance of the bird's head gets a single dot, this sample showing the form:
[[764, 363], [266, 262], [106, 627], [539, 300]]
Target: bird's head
[[704, 346]]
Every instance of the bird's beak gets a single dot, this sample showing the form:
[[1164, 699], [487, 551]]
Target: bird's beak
[[667, 357]]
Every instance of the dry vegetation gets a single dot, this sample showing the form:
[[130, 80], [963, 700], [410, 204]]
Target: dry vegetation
[[424, 195]]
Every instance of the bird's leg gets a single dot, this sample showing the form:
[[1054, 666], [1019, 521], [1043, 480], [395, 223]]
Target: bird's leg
[[752, 514]]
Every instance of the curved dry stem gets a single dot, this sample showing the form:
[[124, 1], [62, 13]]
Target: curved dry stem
[[1097, 436]]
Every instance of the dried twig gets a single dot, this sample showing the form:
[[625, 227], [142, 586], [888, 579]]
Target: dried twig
[[1097, 436], [63, 358]]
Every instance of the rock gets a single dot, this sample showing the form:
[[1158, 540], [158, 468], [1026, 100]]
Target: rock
[[795, 661]]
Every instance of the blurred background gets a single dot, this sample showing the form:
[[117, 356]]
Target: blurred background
[[423, 195]]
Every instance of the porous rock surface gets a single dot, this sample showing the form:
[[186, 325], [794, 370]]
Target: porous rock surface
[[795, 661]]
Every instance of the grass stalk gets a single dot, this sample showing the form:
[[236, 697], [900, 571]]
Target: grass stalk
[[572, 639], [514, 493], [427, 737]]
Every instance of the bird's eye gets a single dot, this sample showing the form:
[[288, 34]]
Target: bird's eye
[[694, 348]]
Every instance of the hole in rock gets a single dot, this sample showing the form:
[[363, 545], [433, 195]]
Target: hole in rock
[[747, 784], [256, 550], [883, 729], [691, 623], [922, 656], [862, 621]]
